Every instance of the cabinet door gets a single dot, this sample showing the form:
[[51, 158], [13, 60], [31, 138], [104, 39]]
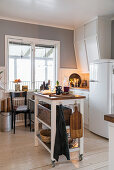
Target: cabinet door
[[91, 29], [81, 57], [92, 48], [79, 34]]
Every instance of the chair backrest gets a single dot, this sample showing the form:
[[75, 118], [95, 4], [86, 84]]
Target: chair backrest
[[16, 95]]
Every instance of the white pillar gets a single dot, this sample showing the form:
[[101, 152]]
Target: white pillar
[[111, 146]]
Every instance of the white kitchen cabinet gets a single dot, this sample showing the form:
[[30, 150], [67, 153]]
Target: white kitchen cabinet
[[90, 29], [82, 62], [79, 34], [86, 104], [96, 37], [92, 48]]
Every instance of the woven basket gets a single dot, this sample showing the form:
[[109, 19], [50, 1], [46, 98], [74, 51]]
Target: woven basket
[[45, 135], [44, 113]]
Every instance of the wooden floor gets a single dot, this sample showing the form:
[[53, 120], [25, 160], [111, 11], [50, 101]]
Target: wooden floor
[[17, 152]]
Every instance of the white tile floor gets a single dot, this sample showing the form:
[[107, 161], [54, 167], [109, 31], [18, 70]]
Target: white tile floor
[[17, 152]]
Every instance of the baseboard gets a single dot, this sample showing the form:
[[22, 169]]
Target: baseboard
[[86, 126]]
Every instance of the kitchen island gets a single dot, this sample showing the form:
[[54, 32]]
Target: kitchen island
[[54, 101], [110, 119]]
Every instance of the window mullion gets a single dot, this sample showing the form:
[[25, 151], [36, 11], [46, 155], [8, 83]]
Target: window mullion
[[46, 70], [15, 69], [32, 68]]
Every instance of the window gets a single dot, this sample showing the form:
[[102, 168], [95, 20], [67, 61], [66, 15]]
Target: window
[[31, 62], [19, 64], [44, 64]]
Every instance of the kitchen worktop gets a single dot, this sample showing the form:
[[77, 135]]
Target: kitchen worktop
[[61, 97], [109, 118]]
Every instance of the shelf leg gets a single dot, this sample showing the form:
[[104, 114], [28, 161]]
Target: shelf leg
[[80, 157], [53, 164], [53, 128], [36, 124], [82, 139]]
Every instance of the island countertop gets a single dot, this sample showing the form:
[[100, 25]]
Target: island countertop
[[60, 97], [109, 118]]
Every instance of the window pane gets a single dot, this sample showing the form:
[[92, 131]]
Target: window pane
[[19, 64], [39, 73], [49, 52], [43, 52], [44, 66], [24, 69], [39, 52], [50, 70], [19, 50], [40, 70]]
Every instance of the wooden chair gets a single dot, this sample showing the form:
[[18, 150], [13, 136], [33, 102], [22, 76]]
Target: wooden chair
[[23, 109]]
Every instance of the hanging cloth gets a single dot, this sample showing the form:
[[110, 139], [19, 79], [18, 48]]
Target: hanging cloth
[[61, 140]]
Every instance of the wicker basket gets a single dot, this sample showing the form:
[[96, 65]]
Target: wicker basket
[[44, 113], [46, 135]]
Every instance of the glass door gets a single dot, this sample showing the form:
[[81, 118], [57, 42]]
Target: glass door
[[19, 63], [45, 65]]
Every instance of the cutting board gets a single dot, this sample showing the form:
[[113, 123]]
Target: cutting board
[[76, 124], [62, 95]]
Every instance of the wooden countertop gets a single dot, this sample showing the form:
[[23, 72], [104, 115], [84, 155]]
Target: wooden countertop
[[109, 118], [61, 97]]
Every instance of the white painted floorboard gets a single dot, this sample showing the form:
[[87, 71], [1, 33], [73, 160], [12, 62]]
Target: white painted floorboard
[[17, 152]]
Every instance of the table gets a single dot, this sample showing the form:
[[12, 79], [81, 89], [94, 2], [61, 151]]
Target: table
[[53, 101]]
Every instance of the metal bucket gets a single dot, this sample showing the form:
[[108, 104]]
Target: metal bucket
[[5, 122]]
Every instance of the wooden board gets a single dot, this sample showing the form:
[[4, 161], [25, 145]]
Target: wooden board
[[76, 124], [46, 93], [62, 95], [59, 97], [109, 118]]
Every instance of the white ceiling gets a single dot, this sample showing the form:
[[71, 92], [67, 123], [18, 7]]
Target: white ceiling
[[61, 13]]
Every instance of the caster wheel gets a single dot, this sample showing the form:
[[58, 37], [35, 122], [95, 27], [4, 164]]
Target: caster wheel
[[80, 157], [53, 164]]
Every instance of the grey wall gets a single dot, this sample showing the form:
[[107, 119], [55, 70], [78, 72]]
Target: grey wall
[[67, 57], [112, 40]]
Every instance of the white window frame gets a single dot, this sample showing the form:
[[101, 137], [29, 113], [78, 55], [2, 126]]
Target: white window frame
[[33, 42]]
